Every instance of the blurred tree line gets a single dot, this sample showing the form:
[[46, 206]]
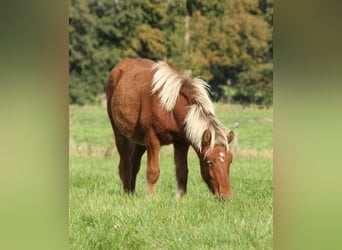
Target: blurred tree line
[[226, 42]]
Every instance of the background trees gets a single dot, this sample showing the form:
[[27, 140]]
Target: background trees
[[228, 43]]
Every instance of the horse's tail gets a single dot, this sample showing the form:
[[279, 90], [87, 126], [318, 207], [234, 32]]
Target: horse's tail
[[169, 81], [112, 81]]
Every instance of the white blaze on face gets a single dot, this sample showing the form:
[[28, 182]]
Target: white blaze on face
[[221, 156]]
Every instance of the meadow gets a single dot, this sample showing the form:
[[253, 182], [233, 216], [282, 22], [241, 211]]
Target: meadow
[[102, 217]]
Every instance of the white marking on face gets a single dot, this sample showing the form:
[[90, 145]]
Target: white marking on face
[[221, 156]]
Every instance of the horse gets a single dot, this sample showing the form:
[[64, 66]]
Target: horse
[[151, 104]]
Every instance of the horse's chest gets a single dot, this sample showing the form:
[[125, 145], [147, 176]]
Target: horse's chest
[[166, 128], [165, 138]]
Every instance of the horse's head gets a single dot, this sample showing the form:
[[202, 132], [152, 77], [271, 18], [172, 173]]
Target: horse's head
[[215, 166]]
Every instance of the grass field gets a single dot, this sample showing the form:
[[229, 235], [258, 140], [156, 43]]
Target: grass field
[[102, 217]]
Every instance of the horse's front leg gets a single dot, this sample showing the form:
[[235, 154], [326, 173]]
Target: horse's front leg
[[152, 171], [181, 152]]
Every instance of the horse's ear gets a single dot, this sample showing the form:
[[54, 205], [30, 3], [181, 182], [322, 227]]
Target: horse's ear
[[230, 136], [206, 138]]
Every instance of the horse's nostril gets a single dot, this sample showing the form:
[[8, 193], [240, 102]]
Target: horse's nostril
[[225, 198]]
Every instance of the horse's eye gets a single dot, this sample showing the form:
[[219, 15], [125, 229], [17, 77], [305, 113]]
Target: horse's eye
[[209, 163]]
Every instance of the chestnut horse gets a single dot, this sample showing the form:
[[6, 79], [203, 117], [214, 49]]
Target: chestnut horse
[[153, 104]]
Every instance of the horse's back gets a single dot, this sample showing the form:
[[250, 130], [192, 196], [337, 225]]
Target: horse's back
[[128, 89]]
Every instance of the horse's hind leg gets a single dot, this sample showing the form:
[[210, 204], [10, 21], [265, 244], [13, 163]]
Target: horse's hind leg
[[125, 167], [135, 157], [180, 156]]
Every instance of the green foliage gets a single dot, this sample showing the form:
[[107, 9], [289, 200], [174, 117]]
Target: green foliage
[[218, 40], [256, 84]]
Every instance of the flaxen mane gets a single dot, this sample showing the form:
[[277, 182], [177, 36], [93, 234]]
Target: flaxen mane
[[201, 116]]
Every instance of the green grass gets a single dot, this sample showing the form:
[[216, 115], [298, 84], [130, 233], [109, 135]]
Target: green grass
[[102, 217]]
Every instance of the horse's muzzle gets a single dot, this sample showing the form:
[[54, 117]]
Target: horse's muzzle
[[223, 197]]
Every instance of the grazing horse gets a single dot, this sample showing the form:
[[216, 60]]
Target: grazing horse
[[151, 104]]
